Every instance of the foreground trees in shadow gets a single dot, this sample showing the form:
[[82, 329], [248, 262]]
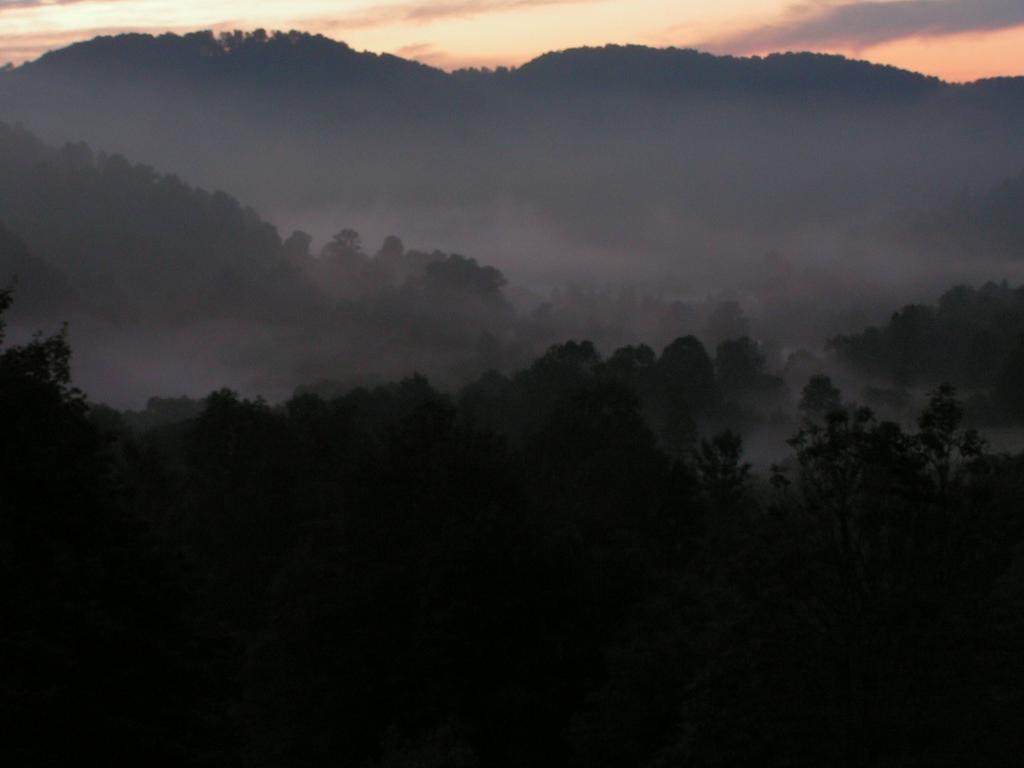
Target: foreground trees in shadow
[[102, 652], [548, 569]]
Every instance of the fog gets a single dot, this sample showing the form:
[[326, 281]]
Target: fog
[[567, 162], [623, 193]]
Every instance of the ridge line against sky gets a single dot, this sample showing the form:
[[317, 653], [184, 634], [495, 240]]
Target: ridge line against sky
[[954, 39]]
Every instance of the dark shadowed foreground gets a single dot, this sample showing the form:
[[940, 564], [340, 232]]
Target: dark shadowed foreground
[[542, 571]]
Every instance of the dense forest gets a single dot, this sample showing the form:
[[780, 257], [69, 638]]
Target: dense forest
[[972, 337], [545, 570]]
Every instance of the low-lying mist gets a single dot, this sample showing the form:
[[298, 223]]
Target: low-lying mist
[[624, 196]]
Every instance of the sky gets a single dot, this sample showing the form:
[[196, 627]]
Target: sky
[[957, 40]]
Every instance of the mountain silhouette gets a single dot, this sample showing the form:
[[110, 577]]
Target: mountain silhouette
[[130, 239], [320, 63], [682, 156]]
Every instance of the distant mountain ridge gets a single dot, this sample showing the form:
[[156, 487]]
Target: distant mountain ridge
[[173, 50], [321, 68], [688, 70], [266, 61], [229, 55], [623, 150]]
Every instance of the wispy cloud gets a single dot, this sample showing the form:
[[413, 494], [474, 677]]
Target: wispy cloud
[[12, 4], [379, 14], [861, 24], [429, 53], [30, 27], [428, 11], [17, 48]]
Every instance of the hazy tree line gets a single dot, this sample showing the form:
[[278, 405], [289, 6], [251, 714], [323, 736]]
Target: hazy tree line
[[92, 235], [550, 568], [971, 337]]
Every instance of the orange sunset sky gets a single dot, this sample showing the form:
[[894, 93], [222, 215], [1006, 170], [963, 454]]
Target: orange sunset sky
[[954, 39]]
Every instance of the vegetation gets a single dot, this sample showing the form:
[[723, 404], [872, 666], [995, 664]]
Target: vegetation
[[609, 150], [654, 525], [531, 572], [973, 338]]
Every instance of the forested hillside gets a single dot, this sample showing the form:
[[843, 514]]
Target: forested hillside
[[399, 577], [137, 242], [596, 158]]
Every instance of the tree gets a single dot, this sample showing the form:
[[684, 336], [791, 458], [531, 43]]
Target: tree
[[391, 250], [739, 365], [949, 451], [98, 650], [721, 469], [297, 246], [348, 241], [458, 275], [1009, 384], [820, 397], [685, 390]]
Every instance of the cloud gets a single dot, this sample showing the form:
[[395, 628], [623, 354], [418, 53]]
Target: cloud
[[12, 4], [428, 53], [18, 48], [28, 28], [865, 23], [410, 11], [428, 11]]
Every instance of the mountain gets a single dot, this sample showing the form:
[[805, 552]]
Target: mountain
[[167, 285], [256, 58], [674, 72], [41, 288], [319, 65], [132, 241], [608, 161]]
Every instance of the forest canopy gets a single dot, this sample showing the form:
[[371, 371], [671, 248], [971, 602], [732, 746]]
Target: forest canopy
[[528, 571]]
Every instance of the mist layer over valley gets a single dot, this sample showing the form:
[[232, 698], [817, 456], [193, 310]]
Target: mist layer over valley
[[624, 193]]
